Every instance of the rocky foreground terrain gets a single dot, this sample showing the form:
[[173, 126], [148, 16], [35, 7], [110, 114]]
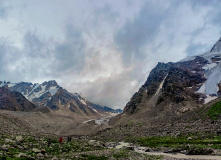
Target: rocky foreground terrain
[[46, 146]]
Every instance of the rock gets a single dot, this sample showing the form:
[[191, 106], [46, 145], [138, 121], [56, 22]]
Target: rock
[[96, 143], [218, 132], [130, 148], [18, 142], [183, 151], [21, 155], [43, 151], [147, 150], [199, 151], [20, 147], [19, 138], [36, 150], [167, 151], [5, 148], [8, 140], [54, 158], [39, 155], [111, 144], [189, 138], [25, 147]]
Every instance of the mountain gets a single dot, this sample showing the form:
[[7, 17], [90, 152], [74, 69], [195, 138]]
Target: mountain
[[175, 99], [50, 94], [36, 93], [14, 101], [187, 84]]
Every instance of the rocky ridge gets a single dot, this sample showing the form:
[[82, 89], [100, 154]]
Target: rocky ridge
[[50, 94], [189, 83]]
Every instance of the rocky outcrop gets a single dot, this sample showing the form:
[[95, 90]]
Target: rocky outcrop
[[174, 82], [219, 91], [74, 102], [14, 101]]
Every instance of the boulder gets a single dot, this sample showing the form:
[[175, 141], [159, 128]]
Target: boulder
[[36, 150], [199, 151], [147, 150], [96, 143], [43, 151], [189, 138], [19, 138], [40, 156], [5, 148], [21, 155], [130, 148], [8, 140]]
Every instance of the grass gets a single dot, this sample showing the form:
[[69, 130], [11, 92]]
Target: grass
[[153, 157], [215, 111], [121, 154], [92, 157], [130, 123], [179, 142]]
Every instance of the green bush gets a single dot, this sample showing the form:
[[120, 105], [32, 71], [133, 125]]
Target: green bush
[[215, 111]]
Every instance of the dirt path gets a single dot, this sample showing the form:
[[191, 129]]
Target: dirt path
[[183, 156]]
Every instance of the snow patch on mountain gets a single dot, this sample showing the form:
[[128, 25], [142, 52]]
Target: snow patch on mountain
[[209, 98], [209, 66], [9, 84], [95, 110], [82, 101], [53, 90], [37, 94], [202, 89], [213, 77], [212, 71]]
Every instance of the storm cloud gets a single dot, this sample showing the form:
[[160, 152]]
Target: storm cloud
[[103, 50]]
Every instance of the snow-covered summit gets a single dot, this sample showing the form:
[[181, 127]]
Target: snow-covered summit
[[211, 87], [34, 92]]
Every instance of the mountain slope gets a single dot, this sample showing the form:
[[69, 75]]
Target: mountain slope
[[173, 90], [193, 81], [14, 101], [176, 99]]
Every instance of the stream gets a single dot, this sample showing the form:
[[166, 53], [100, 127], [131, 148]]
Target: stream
[[173, 155]]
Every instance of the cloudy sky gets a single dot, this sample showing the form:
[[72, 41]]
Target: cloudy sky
[[102, 49]]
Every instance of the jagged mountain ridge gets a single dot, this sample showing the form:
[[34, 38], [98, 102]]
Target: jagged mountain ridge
[[50, 94], [14, 101], [186, 84]]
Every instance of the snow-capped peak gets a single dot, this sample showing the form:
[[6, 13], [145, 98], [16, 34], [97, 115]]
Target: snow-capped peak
[[217, 46], [9, 84], [212, 69]]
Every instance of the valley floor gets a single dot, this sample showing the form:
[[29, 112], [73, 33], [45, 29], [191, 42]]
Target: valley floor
[[34, 135], [80, 148]]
